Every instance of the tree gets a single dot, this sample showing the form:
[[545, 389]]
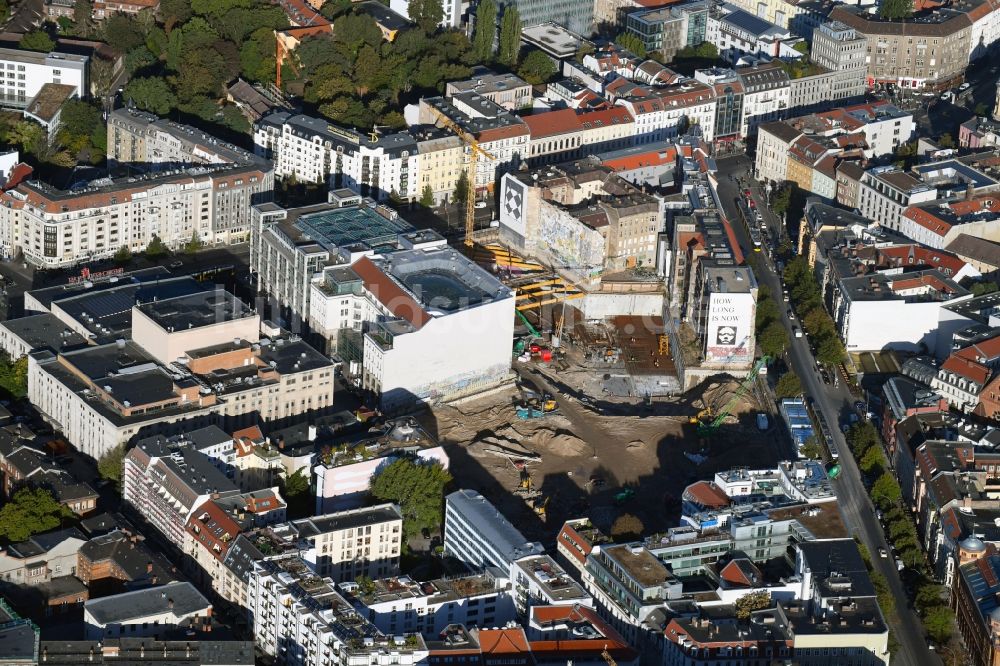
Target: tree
[[981, 110], [781, 200], [885, 491], [895, 9], [175, 11], [983, 288], [632, 43], [938, 623], [883, 594], [83, 17], [861, 436], [946, 141], [751, 602], [929, 595], [510, 36], [802, 47], [151, 94], [873, 461], [298, 495], [463, 189], [427, 14], [536, 67], [485, 31], [626, 528], [37, 40], [427, 197], [31, 511], [418, 488], [788, 386], [831, 351], [14, 376], [773, 339], [811, 449], [124, 32], [123, 256], [195, 244], [156, 248], [109, 466]]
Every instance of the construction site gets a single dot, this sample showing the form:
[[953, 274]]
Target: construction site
[[595, 424]]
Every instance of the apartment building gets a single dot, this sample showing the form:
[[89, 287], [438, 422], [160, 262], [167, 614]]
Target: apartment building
[[288, 247], [741, 33], [840, 49], [766, 95], [26, 72], [313, 150], [566, 134], [581, 217], [301, 617], [499, 133], [402, 605], [197, 358], [443, 160], [148, 612], [105, 8], [538, 580], [507, 90], [629, 583], [479, 536], [669, 29], [894, 311], [886, 192], [931, 51], [348, 544], [59, 228]]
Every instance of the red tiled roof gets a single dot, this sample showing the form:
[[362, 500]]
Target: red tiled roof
[[901, 254], [964, 367], [551, 123], [733, 243], [390, 294], [707, 494], [21, 172], [653, 157], [503, 641]]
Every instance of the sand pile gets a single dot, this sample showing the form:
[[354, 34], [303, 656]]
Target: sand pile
[[718, 395], [559, 443]]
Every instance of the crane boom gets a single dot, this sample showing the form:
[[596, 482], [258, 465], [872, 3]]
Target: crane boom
[[475, 153], [706, 429]]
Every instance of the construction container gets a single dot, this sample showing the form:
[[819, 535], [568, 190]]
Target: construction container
[[547, 355]]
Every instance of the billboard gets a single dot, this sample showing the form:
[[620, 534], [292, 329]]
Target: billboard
[[513, 204], [730, 331]]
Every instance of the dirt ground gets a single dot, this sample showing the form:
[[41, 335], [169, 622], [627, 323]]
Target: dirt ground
[[584, 456]]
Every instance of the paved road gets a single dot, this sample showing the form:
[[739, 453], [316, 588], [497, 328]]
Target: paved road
[[835, 403]]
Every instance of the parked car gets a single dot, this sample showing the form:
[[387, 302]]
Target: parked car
[[882, 552], [176, 264], [964, 86], [796, 331]]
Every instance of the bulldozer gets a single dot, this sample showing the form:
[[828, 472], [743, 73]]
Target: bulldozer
[[703, 415], [541, 508]]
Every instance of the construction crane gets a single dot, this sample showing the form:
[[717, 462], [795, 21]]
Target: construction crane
[[475, 153], [607, 657], [708, 429]]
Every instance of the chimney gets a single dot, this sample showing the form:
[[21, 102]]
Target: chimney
[[312, 433], [149, 567], [170, 603], [45, 653]]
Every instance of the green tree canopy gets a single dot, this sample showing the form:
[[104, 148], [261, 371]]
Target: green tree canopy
[[37, 40], [788, 386], [14, 375], [939, 623], [151, 94], [510, 36], [463, 189], [123, 255], [773, 340], [427, 14], [485, 31], [811, 449], [630, 42], [536, 67], [297, 493], [427, 197], [751, 602], [873, 461], [895, 9], [418, 489], [156, 248], [109, 466], [781, 200], [31, 511], [885, 491]]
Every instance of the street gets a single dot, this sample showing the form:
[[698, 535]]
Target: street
[[834, 403]]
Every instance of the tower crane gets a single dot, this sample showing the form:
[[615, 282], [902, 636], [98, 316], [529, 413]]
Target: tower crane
[[475, 154]]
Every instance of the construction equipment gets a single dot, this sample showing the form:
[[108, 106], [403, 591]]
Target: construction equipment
[[664, 344], [522, 341], [475, 153], [525, 479], [701, 416], [708, 429], [833, 470], [541, 509]]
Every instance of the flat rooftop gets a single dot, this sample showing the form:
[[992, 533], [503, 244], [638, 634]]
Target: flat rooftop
[[196, 310], [178, 598], [552, 38], [340, 227], [443, 279], [50, 99], [551, 578], [345, 520], [493, 525], [638, 563], [45, 331]]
